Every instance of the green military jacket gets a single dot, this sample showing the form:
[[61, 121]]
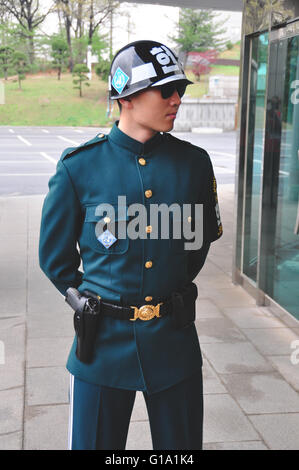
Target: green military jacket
[[140, 355]]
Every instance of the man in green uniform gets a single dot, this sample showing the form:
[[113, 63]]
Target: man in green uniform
[[145, 337]]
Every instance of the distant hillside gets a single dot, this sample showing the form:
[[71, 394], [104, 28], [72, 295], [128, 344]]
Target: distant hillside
[[231, 54]]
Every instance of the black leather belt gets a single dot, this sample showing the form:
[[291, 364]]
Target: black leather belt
[[176, 305]]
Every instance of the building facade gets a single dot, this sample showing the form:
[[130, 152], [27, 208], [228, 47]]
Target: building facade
[[266, 260]]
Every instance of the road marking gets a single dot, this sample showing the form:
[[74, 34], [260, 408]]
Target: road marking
[[46, 131], [51, 159], [12, 131], [18, 162], [25, 141], [222, 153], [68, 140], [220, 169], [78, 130], [26, 174]]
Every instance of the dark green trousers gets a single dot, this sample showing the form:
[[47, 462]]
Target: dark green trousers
[[100, 416]]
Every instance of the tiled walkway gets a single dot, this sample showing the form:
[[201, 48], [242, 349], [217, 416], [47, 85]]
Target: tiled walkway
[[250, 384]]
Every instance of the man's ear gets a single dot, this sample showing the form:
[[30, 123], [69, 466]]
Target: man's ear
[[125, 102]]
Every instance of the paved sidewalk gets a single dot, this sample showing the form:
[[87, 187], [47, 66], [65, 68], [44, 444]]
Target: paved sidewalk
[[250, 384]]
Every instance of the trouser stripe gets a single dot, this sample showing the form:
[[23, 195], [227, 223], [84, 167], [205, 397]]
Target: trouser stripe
[[71, 410]]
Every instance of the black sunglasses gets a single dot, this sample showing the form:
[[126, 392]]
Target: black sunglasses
[[168, 90]]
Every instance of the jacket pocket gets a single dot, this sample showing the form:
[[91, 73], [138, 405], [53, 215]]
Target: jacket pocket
[[109, 225]]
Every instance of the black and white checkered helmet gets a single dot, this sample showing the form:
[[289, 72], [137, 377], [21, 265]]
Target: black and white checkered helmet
[[143, 64]]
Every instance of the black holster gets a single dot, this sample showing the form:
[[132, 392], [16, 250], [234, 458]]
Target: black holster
[[183, 306], [86, 317]]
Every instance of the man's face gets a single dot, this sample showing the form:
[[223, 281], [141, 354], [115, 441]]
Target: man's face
[[152, 112]]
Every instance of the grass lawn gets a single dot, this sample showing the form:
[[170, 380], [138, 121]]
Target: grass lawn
[[44, 100], [198, 89], [233, 53], [201, 88]]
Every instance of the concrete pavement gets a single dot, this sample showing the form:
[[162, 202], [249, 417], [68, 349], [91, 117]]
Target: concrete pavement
[[250, 384]]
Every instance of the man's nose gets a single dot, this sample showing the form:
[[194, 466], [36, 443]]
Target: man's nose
[[175, 98]]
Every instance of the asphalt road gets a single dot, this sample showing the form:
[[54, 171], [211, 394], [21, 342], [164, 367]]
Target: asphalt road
[[28, 155]]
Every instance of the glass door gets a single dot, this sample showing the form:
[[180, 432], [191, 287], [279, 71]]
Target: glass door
[[279, 266], [254, 152]]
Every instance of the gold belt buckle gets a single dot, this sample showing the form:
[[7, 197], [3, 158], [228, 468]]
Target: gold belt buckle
[[146, 312]]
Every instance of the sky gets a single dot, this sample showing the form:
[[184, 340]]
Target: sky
[[154, 22], [158, 22]]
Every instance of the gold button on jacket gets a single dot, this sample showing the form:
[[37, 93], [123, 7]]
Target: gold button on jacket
[[142, 161], [148, 193]]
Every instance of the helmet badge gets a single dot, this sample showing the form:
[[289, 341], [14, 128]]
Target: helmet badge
[[119, 80]]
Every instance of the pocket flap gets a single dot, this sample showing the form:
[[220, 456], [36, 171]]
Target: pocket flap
[[97, 212]]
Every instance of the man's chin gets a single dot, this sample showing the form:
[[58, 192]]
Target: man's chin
[[168, 127]]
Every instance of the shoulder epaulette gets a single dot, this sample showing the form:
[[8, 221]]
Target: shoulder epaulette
[[70, 151]]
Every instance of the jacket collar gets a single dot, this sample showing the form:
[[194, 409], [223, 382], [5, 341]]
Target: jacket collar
[[123, 140]]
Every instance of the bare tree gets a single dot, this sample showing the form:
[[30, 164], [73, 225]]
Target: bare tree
[[29, 16], [83, 18], [64, 7], [99, 11]]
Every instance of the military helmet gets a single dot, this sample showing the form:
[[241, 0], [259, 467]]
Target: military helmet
[[143, 64]]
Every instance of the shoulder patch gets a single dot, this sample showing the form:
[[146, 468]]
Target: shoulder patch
[[70, 151]]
